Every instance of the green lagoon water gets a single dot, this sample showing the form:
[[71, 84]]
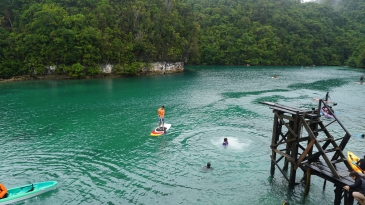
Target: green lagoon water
[[92, 136]]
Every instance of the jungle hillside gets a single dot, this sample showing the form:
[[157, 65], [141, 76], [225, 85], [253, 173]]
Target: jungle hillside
[[77, 36]]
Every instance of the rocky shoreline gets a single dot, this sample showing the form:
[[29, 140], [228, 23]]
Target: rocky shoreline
[[106, 72]]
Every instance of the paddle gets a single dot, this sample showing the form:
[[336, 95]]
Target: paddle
[[31, 189]]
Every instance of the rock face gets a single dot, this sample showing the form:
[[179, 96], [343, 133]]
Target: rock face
[[106, 68], [106, 71], [164, 67], [153, 68]]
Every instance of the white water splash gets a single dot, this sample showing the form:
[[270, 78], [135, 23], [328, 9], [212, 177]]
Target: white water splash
[[234, 143]]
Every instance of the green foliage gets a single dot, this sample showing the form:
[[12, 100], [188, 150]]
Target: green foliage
[[76, 70], [93, 70], [62, 34], [130, 68], [274, 33], [77, 36], [358, 57], [40, 70]]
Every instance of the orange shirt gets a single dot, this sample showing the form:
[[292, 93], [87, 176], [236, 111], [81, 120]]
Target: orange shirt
[[161, 112]]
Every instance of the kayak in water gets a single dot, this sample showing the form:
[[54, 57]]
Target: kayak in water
[[27, 191]]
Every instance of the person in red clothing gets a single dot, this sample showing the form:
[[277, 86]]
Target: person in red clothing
[[161, 116]]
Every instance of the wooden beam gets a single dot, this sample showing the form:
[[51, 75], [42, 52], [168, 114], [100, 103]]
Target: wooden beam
[[288, 117], [288, 157], [330, 123], [308, 181], [323, 172], [280, 158], [279, 168], [310, 145], [274, 146], [309, 131], [282, 120], [274, 140]]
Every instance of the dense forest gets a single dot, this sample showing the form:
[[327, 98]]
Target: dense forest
[[77, 36]]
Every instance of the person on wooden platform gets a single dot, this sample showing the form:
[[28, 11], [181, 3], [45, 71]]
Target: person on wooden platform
[[358, 186], [361, 164]]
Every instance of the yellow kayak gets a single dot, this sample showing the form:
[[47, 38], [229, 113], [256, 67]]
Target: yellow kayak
[[353, 159]]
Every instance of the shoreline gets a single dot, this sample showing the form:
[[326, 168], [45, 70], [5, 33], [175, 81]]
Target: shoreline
[[106, 71], [67, 77]]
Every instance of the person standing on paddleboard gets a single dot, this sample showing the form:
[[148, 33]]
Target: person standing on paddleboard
[[161, 116]]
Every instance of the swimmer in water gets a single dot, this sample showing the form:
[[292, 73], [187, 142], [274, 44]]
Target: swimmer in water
[[208, 166], [225, 142]]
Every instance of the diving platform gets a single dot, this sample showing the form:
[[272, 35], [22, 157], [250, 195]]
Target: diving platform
[[302, 141]]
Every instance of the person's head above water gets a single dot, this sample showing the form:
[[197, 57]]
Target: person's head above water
[[225, 142], [208, 167]]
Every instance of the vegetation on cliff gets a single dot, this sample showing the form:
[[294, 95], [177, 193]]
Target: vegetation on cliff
[[79, 35]]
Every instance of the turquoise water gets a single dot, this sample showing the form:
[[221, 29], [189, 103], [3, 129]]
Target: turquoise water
[[92, 136]]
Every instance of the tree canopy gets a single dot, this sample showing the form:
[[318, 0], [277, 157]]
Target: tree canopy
[[77, 36]]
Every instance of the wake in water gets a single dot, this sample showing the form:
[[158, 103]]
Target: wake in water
[[234, 143]]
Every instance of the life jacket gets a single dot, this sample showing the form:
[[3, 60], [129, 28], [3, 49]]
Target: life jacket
[[161, 112], [3, 191]]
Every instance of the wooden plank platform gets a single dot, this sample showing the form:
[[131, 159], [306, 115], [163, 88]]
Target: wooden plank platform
[[291, 110], [320, 155], [321, 170]]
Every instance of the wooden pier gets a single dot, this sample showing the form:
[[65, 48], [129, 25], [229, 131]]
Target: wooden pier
[[301, 141]]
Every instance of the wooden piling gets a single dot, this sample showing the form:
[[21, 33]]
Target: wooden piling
[[307, 182]]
